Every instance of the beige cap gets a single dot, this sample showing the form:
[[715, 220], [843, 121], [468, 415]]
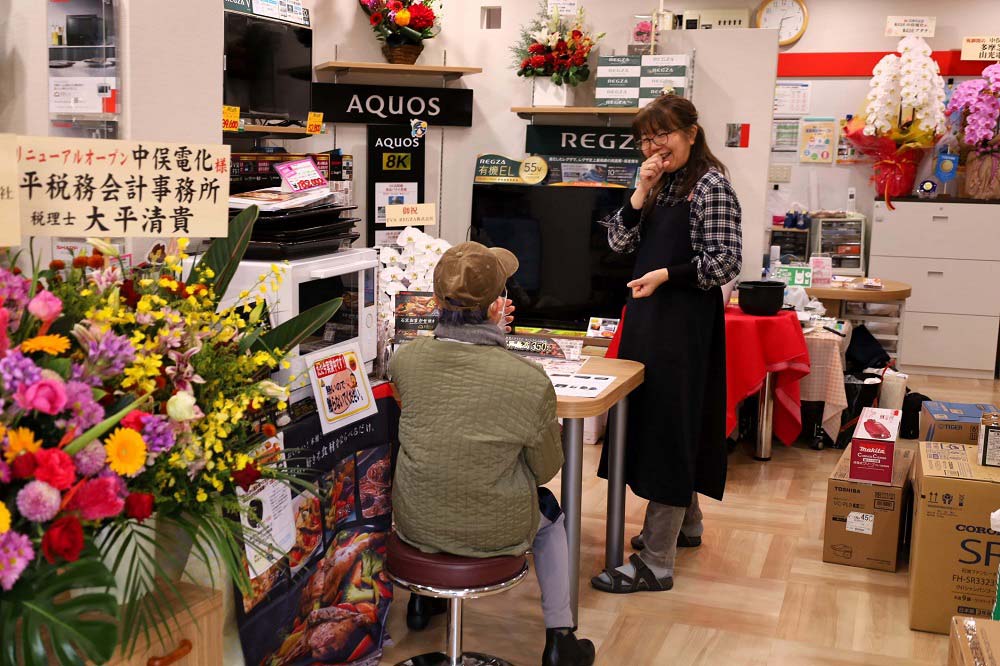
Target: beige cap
[[471, 275]]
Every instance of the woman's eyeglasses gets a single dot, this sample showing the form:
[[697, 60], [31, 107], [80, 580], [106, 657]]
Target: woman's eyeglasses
[[659, 140]]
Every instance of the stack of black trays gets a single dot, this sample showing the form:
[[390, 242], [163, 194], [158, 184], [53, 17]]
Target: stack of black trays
[[302, 232]]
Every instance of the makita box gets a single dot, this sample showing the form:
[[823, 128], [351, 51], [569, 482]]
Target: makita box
[[873, 444]]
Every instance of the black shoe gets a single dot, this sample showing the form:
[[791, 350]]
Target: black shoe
[[565, 649], [683, 541], [420, 609]]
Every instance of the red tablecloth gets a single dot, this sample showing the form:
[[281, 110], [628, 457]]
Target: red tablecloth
[[754, 347]]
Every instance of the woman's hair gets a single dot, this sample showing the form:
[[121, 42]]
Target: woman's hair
[[667, 114]]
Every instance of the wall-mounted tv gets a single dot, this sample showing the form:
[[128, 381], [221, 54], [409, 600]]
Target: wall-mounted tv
[[567, 271], [268, 67]]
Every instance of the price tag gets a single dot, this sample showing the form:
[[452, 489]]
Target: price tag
[[314, 124], [411, 215], [981, 48], [230, 118], [860, 523], [300, 175]]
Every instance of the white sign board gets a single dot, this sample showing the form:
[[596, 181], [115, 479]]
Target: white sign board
[[267, 517], [340, 386], [792, 98], [566, 7], [10, 220], [100, 187], [907, 26], [981, 48]]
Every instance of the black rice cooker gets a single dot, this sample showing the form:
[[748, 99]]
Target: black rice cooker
[[762, 298]]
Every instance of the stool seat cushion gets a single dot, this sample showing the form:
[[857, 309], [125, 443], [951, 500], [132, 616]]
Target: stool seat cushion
[[450, 572]]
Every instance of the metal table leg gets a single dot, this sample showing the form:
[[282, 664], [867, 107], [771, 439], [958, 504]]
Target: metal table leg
[[614, 540], [572, 495], [764, 415]]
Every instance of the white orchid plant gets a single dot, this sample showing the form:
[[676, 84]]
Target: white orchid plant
[[408, 267], [906, 85]]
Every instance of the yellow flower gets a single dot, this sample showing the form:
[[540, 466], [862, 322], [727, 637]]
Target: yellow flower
[[49, 344], [4, 518], [126, 451], [182, 243], [20, 440], [403, 18], [202, 495]]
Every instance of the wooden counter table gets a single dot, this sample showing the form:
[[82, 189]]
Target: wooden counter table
[[893, 293], [628, 375]]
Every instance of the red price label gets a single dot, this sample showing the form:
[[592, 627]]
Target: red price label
[[230, 118], [231, 125], [306, 183]]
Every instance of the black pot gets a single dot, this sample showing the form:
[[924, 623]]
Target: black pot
[[762, 298]]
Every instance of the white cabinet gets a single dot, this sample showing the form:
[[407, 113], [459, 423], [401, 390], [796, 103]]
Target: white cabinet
[[950, 255]]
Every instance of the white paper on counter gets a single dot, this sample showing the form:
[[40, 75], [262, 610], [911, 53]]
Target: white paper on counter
[[580, 386]]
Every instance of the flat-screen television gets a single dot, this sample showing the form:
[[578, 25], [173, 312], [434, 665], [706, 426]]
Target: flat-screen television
[[268, 67], [567, 271]]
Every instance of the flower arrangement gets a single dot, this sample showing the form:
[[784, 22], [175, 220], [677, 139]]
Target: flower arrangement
[[904, 113], [978, 102], [68, 467], [402, 23], [410, 268], [554, 48], [129, 394], [642, 31]]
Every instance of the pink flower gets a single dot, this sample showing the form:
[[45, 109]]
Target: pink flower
[[55, 468], [47, 396], [15, 555], [38, 502], [4, 323], [45, 306], [98, 499]]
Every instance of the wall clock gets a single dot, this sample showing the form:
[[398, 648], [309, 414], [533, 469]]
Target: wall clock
[[789, 17]]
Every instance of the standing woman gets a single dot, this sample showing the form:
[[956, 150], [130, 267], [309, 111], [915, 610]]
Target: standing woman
[[684, 221]]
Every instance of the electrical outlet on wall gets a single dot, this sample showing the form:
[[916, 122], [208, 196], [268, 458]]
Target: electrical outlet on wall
[[779, 173]]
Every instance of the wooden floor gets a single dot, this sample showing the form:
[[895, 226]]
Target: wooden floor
[[757, 591]]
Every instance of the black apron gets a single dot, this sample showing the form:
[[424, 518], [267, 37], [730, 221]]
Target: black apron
[[676, 441]]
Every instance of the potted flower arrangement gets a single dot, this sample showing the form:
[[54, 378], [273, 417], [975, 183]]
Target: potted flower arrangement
[[978, 102], [130, 394], [903, 116], [553, 52], [402, 26]]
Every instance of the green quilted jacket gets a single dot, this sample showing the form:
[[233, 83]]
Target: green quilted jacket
[[478, 434]]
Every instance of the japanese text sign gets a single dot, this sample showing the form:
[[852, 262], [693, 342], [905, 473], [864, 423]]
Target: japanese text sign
[[340, 386], [795, 276], [300, 175], [411, 215], [314, 123], [10, 228], [230, 118], [981, 48], [99, 187], [905, 26]]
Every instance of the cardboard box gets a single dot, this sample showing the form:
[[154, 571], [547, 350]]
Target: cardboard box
[[866, 523], [954, 553], [952, 421], [873, 444], [974, 642], [989, 445]]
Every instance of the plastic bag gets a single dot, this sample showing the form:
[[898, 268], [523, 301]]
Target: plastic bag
[[862, 391]]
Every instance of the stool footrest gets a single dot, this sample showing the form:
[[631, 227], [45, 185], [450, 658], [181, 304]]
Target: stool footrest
[[441, 659]]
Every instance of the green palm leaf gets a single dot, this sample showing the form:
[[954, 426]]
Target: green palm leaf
[[224, 254], [38, 613], [292, 332]]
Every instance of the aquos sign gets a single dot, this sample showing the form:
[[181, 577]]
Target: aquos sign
[[349, 103], [580, 141]]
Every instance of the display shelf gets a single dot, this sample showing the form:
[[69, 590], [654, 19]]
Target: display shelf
[[344, 67], [271, 132], [529, 112]]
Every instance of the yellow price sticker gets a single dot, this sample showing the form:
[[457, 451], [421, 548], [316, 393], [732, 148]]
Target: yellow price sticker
[[230, 118], [314, 123]]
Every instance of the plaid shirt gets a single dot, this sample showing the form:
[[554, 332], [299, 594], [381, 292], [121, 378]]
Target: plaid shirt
[[716, 233]]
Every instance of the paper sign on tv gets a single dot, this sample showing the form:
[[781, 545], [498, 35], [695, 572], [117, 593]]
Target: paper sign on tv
[[411, 215], [300, 175]]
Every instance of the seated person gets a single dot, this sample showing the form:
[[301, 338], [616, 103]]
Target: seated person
[[478, 435]]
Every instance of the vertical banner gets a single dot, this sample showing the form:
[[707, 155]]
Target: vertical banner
[[395, 174]]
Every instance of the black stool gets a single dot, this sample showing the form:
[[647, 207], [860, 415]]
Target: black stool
[[456, 579]]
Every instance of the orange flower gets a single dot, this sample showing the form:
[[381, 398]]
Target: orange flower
[[20, 440], [52, 345]]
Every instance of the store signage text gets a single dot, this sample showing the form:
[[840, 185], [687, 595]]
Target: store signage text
[[352, 103], [580, 141]]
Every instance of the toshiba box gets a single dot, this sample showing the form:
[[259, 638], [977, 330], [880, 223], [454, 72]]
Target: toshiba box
[[864, 522], [954, 554]]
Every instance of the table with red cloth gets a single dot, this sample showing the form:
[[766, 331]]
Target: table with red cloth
[[756, 346]]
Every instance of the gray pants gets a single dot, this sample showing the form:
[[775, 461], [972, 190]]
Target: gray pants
[[551, 553], [661, 528]]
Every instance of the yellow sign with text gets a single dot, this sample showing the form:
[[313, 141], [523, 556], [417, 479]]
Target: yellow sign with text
[[411, 215], [314, 123], [230, 118], [10, 228], [397, 161]]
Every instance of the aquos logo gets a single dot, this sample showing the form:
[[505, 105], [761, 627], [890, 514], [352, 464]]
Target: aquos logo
[[982, 551], [394, 105], [593, 140], [396, 143]]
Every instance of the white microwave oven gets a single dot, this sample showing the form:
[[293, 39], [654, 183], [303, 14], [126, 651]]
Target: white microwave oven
[[351, 274]]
